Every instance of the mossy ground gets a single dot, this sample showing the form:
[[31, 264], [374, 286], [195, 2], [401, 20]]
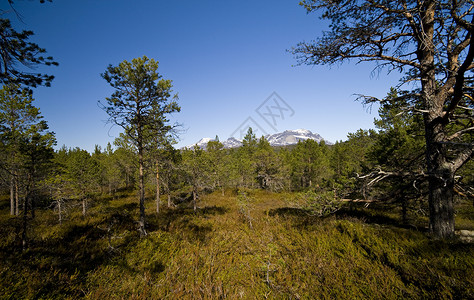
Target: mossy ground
[[215, 253]]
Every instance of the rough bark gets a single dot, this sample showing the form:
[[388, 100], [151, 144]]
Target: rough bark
[[141, 220], [157, 188], [24, 241], [84, 206], [194, 197], [441, 178], [12, 196], [24, 237], [17, 199]]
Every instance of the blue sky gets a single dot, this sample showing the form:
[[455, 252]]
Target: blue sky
[[225, 59]]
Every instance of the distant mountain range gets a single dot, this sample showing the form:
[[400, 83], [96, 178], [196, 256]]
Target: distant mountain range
[[285, 138]]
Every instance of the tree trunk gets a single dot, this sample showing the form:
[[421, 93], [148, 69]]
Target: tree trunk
[[33, 208], [60, 212], [441, 177], [12, 196], [441, 196], [17, 199], [194, 197], [157, 189], [440, 172], [441, 209], [24, 238], [168, 191], [84, 206], [141, 220], [441, 181], [24, 241]]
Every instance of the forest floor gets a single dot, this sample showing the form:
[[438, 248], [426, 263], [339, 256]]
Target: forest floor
[[259, 249]]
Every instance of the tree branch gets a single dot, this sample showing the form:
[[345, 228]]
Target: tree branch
[[459, 133]]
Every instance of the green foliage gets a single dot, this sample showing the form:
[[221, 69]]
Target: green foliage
[[140, 105], [141, 99], [26, 144], [249, 142], [349, 158], [267, 166], [398, 157], [18, 55], [245, 204], [213, 254], [310, 164], [319, 204], [430, 42]]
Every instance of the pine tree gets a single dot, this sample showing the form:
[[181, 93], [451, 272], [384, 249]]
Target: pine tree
[[196, 166], [267, 166], [431, 43], [398, 153], [28, 146], [244, 157], [17, 55], [17, 116], [139, 105], [216, 153]]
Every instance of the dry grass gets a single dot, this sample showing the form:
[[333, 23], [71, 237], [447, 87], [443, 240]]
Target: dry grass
[[214, 254]]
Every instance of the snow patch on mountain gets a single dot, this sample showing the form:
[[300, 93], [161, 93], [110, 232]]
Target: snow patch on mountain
[[232, 142], [291, 137], [202, 143], [285, 138]]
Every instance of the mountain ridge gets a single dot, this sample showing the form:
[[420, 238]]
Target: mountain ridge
[[279, 139]]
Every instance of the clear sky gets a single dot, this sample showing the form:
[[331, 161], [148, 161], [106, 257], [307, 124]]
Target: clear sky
[[225, 59]]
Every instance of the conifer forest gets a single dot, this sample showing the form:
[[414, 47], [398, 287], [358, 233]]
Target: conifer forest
[[387, 213]]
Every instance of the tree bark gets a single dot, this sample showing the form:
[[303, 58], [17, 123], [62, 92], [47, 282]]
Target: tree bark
[[441, 185], [60, 212], [84, 206], [168, 191], [17, 198], [194, 197], [141, 221], [12, 196], [441, 207], [24, 237], [33, 207], [157, 188], [441, 176], [24, 241]]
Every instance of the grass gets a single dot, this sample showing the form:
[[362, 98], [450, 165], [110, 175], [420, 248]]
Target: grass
[[214, 253]]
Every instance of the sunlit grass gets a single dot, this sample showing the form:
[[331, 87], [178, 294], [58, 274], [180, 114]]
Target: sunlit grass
[[214, 253]]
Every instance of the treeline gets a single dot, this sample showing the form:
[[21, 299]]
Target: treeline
[[75, 176], [384, 165], [418, 154]]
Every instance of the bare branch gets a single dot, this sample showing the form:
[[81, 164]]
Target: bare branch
[[459, 133]]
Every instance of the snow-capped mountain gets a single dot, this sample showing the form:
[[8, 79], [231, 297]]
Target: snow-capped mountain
[[291, 137], [232, 142], [202, 143], [229, 143], [285, 138]]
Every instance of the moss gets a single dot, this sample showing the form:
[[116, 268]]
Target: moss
[[213, 254]]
